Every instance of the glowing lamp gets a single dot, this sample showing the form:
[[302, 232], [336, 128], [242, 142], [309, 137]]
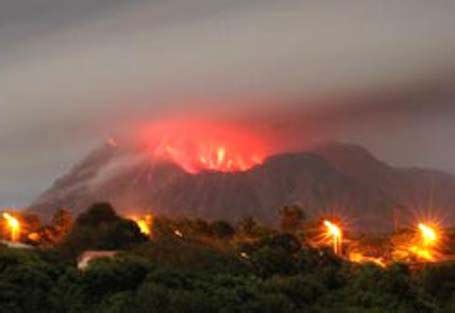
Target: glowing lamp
[[13, 224], [429, 235], [335, 234]]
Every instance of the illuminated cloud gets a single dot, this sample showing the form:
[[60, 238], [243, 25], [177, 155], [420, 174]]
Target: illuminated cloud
[[72, 73]]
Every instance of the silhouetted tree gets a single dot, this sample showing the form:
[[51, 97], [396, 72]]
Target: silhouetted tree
[[97, 214], [62, 222], [291, 218], [270, 261], [222, 229], [101, 228], [286, 242], [247, 225]]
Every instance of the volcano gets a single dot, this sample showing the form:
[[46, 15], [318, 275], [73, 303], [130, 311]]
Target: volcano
[[198, 145], [335, 178]]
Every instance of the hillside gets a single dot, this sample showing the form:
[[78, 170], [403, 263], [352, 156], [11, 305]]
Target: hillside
[[332, 178]]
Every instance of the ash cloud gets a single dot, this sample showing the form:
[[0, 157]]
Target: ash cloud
[[73, 73]]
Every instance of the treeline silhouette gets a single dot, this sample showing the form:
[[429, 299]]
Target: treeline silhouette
[[191, 265]]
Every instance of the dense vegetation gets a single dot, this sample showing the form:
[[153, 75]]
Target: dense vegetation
[[209, 267]]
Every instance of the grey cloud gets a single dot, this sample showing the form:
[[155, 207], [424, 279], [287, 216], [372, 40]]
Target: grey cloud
[[71, 70]]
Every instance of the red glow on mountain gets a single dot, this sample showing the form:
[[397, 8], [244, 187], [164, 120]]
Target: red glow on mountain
[[197, 145]]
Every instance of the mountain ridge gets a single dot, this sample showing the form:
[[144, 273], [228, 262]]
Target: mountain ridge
[[335, 177]]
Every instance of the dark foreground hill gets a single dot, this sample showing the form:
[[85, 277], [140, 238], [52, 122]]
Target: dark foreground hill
[[333, 178]]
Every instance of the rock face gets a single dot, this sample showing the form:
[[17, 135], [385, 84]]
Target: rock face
[[335, 178]]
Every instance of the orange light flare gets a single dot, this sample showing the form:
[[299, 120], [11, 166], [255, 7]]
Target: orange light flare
[[358, 257], [335, 234], [426, 244], [14, 225], [144, 223], [428, 234], [198, 145], [34, 236], [422, 253]]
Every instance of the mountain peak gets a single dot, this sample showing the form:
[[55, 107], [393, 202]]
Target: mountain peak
[[353, 160], [330, 176]]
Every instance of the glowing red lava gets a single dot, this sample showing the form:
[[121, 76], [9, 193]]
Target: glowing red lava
[[198, 145]]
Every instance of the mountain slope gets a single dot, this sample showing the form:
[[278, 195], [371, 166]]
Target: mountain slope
[[415, 189], [339, 178]]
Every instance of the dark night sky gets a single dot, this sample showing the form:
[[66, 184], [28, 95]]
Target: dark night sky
[[74, 72]]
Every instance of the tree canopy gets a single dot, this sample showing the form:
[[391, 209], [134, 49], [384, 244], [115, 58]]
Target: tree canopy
[[211, 267]]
